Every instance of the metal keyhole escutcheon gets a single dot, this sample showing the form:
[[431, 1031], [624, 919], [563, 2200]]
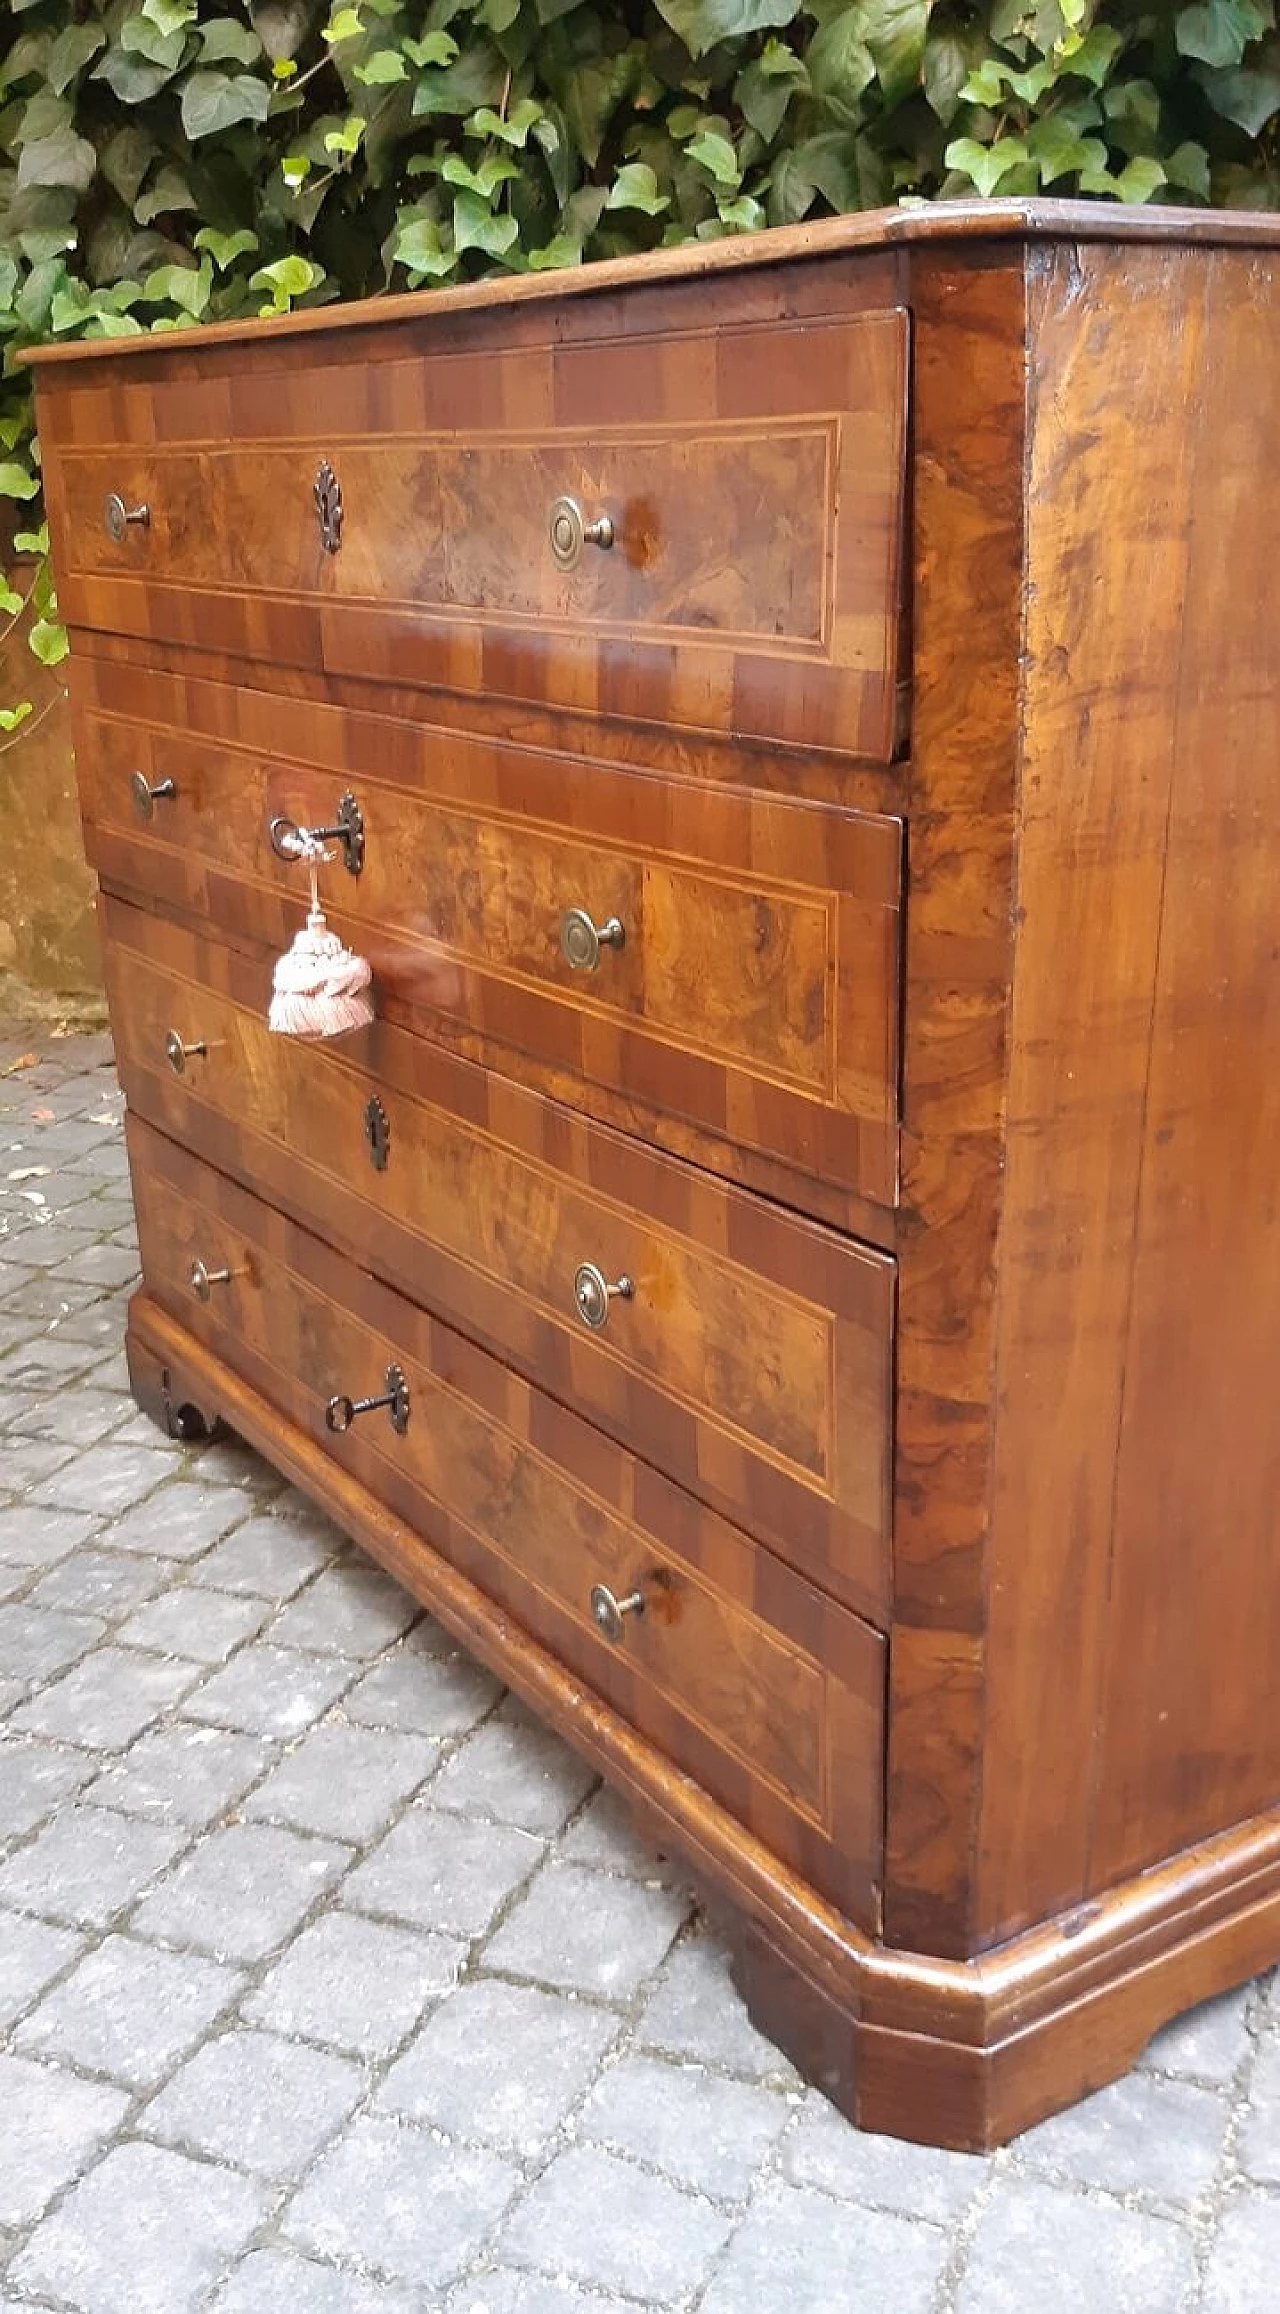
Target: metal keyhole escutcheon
[[377, 1133]]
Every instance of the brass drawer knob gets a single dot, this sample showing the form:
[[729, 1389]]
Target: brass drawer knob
[[608, 1612], [117, 517], [592, 1294], [569, 531], [581, 938], [287, 837], [146, 797], [203, 1280], [341, 1411], [178, 1054]]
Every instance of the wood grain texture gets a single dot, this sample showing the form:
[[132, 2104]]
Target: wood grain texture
[[757, 990], [967, 595], [771, 1694], [1133, 1610], [753, 471], [754, 1358]]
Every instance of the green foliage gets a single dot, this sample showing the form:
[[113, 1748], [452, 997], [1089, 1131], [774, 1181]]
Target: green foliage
[[171, 161]]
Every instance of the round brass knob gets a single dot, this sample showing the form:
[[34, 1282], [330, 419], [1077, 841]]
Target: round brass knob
[[608, 1612], [146, 797], [202, 1281], [592, 1294], [581, 939], [569, 531], [178, 1054], [116, 517]]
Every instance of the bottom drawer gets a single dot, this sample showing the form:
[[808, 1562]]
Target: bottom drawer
[[742, 1673]]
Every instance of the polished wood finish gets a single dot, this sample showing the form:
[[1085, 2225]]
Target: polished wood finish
[[770, 1693], [929, 1098], [756, 993], [754, 1358], [752, 468]]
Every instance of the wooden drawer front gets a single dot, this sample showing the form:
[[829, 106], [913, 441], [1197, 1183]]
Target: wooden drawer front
[[753, 479], [755, 992], [753, 1358], [765, 1690]]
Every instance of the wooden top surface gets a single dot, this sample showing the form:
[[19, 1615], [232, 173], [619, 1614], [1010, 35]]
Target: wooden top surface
[[871, 229]]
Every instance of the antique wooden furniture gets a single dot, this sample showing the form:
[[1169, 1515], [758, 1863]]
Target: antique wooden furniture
[[798, 721]]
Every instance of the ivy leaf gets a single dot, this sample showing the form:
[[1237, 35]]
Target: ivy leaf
[[702, 24], [1188, 169], [382, 68], [895, 33], [434, 48], [636, 187], [767, 87], [224, 248], [63, 159], [226, 42], [716, 155], [1250, 96], [11, 717], [1219, 31], [15, 482], [1096, 54], [494, 170], [182, 285], [476, 227], [514, 130], [474, 78], [945, 68], [420, 250], [987, 165], [824, 164], [1140, 178], [140, 37], [47, 642], [345, 139], [345, 24], [1057, 151], [165, 196], [70, 53], [131, 78], [841, 66], [126, 158], [213, 101], [288, 278], [170, 15]]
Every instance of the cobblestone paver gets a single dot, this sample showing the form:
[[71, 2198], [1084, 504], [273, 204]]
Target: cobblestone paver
[[332, 1984]]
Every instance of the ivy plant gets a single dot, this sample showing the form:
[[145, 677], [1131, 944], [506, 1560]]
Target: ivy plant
[[169, 162]]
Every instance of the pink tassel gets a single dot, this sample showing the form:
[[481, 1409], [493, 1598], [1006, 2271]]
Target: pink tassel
[[319, 988]]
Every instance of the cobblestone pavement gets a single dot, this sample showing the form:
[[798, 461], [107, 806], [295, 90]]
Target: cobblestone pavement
[[330, 1985]]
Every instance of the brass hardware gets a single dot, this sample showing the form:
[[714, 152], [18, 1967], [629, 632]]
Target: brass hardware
[[377, 1132], [581, 939], [347, 830], [177, 1054], [569, 532], [607, 1612], [146, 797], [327, 493], [592, 1294], [341, 1411], [117, 517], [202, 1281]]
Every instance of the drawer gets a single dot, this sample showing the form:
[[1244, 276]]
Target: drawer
[[750, 482], [752, 1358], [748, 1678], [755, 990]]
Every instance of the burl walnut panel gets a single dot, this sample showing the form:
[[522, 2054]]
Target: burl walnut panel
[[753, 475], [768, 1691], [948, 884], [756, 991], [753, 1358]]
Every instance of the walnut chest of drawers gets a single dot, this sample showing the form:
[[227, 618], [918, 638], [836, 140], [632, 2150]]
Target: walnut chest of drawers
[[799, 722]]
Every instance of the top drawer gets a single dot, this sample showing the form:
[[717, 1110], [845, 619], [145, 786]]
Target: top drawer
[[703, 529]]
